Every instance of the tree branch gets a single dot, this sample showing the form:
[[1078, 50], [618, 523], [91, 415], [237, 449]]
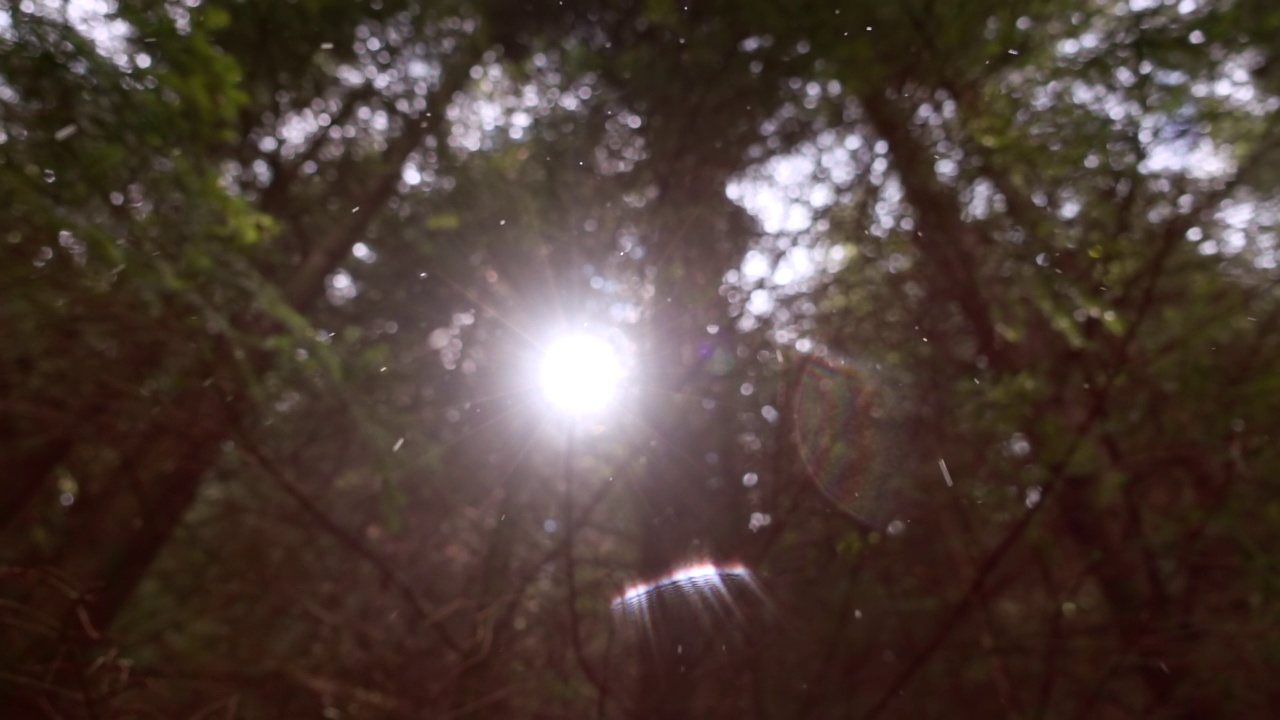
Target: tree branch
[[307, 280], [434, 618]]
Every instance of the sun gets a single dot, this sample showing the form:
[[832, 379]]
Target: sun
[[580, 374]]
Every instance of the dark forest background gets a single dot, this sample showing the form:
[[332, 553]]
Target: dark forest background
[[953, 322]]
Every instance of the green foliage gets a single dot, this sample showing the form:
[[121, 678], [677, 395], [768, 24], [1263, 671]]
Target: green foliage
[[275, 278]]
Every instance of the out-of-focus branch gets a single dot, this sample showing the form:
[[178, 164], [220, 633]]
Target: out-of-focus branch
[[433, 617], [306, 281], [944, 239], [570, 569]]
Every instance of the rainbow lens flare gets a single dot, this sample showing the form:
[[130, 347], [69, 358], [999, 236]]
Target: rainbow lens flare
[[843, 432], [704, 591]]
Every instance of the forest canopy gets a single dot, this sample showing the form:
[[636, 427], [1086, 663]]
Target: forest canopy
[[639, 359]]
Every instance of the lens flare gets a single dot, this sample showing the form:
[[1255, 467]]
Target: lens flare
[[580, 374], [844, 434], [702, 591]]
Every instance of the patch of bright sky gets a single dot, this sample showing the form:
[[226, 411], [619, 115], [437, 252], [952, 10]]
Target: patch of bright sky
[[95, 19], [777, 197], [1173, 142], [1185, 7], [1249, 228], [497, 104], [787, 195]]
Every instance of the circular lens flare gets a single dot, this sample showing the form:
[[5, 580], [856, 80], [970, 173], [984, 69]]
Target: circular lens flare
[[844, 429], [580, 374]]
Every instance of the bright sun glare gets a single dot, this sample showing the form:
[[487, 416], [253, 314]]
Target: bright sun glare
[[580, 374]]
